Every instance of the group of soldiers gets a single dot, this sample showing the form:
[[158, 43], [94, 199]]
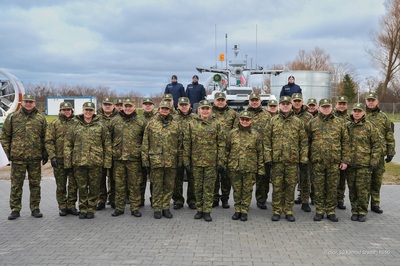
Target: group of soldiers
[[108, 157]]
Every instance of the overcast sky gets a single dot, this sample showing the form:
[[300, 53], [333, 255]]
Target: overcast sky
[[138, 44]]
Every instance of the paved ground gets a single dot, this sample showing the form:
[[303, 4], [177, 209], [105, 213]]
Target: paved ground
[[126, 240]]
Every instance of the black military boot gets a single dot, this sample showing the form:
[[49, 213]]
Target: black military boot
[[90, 215], [236, 216], [225, 204], [63, 212], [262, 205], [207, 217], [215, 203], [73, 211], [354, 217], [13, 215], [298, 200], [290, 218], [136, 213], [100, 206], [198, 215], [243, 217], [167, 214], [275, 217], [318, 217], [305, 207], [157, 214], [117, 213], [36, 213], [332, 217], [362, 218], [376, 209], [341, 205]]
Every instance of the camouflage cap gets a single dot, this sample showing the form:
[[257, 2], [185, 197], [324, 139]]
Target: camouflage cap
[[108, 100], [359, 106], [297, 96], [325, 102], [372, 95], [119, 102], [285, 99], [88, 105], [312, 101], [128, 101], [165, 104], [342, 99], [28, 97], [148, 100], [254, 96], [219, 95], [204, 103], [245, 114], [65, 106], [183, 100], [167, 97], [273, 102]]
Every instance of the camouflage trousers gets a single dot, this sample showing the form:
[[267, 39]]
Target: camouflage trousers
[[128, 175], [262, 187], [88, 179], [18, 172], [107, 186], [304, 184], [284, 179], [204, 182], [326, 178], [143, 184], [359, 183], [223, 182], [67, 187], [177, 197], [163, 180], [242, 184], [341, 187], [376, 182]]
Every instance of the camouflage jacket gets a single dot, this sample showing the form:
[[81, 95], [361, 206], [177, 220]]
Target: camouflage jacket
[[303, 115], [285, 140], [364, 143], [127, 136], [260, 119], [23, 135], [162, 143], [184, 120], [385, 128], [314, 114], [204, 143], [329, 140], [345, 116], [106, 119], [226, 117], [87, 144], [55, 136], [149, 115], [244, 150]]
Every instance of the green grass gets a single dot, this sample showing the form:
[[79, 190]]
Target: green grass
[[394, 117], [392, 174]]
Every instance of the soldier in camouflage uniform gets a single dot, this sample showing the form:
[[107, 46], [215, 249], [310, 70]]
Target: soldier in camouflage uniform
[[304, 184], [285, 147], [272, 107], [184, 116], [260, 118], [22, 138], [87, 150], [365, 145], [161, 154], [119, 104], [148, 113], [226, 116], [312, 107], [386, 130], [169, 98], [245, 158], [127, 131], [106, 113], [341, 112], [204, 154], [67, 195], [329, 154]]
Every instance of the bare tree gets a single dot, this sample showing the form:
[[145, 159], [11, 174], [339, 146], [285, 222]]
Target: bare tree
[[317, 60], [385, 54]]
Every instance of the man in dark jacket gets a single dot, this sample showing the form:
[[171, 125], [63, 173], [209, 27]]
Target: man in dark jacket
[[176, 89], [195, 91], [290, 88]]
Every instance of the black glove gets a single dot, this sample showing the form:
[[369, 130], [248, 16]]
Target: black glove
[[303, 166], [268, 166], [187, 168], [389, 158], [54, 162], [220, 169], [45, 160]]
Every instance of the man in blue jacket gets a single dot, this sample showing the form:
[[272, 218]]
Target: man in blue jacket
[[176, 89], [290, 88], [195, 91]]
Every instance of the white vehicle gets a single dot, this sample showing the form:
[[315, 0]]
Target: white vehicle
[[10, 94], [237, 92]]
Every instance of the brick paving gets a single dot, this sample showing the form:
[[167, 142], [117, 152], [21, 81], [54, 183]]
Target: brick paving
[[126, 240]]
